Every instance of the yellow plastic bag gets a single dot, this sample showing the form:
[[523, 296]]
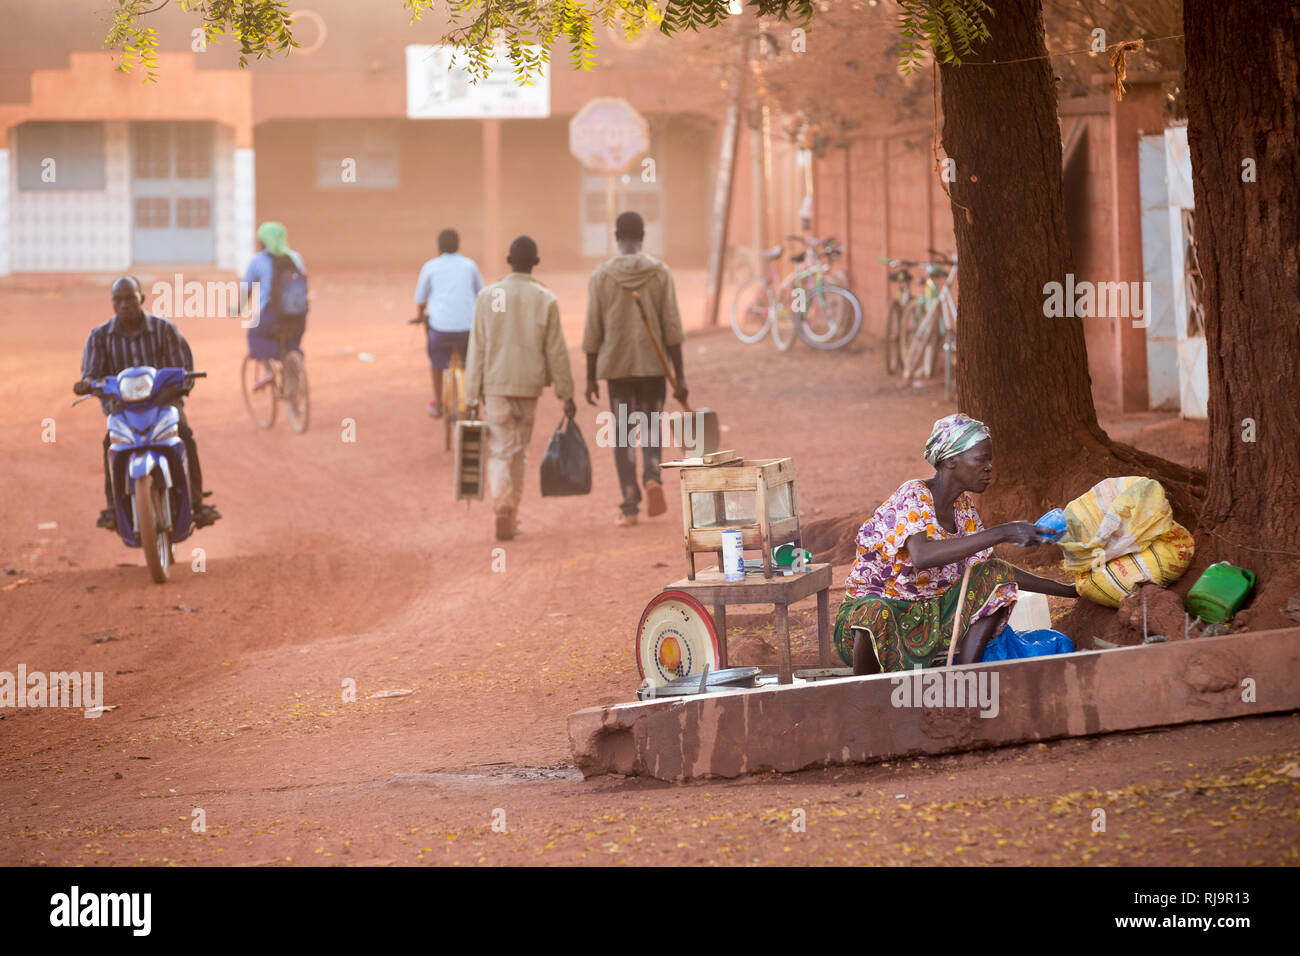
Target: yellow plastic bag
[[1116, 517], [1162, 562], [1120, 535]]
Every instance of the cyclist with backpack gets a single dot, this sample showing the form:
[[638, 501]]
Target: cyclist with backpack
[[282, 305]]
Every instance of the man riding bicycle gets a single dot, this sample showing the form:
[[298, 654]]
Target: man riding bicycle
[[445, 294]]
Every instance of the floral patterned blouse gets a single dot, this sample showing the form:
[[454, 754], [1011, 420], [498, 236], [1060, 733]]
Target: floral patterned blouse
[[884, 568]]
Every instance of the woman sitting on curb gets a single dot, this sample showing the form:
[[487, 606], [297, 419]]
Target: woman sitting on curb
[[902, 593]]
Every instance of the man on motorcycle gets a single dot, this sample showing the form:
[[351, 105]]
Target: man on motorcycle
[[136, 337]]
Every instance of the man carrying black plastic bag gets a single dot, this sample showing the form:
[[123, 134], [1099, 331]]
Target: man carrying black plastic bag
[[516, 349], [566, 466]]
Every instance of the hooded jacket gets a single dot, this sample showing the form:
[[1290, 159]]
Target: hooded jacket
[[615, 332]]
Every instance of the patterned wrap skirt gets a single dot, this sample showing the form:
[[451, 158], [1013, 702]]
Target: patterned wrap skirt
[[911, 634]]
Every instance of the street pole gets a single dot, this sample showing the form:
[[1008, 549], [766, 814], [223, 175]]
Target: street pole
[[723, 187]]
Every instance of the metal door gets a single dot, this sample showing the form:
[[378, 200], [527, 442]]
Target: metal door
[[172, 192]]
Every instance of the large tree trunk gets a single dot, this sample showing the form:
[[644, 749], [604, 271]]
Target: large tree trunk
[[1242, 90], [1024, 374]]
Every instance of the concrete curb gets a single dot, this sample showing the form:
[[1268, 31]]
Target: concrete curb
[[868, 719]]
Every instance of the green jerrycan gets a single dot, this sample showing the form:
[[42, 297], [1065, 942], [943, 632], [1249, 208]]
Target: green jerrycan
[[1219, 592]]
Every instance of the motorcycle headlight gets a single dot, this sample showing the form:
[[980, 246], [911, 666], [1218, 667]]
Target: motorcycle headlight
[[119, 437], [135, 387], [166, 432]]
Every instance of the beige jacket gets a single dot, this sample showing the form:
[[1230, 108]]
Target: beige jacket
[[516, 345], [615, 333]]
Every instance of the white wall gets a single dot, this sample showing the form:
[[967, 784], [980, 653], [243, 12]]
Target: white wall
[[5, 267], [244, 205], [74, 230], [1176, 371], [60, 230]]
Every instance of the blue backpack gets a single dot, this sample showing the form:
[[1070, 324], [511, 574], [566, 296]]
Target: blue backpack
[[289, 299]]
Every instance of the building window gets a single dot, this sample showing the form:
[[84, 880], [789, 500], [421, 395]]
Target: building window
[[194, 213], [357, 155], [193, 150], [153, 213], [61, 156], [153, 151]]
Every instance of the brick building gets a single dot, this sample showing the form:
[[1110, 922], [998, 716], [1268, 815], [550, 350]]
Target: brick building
[[105, 172]]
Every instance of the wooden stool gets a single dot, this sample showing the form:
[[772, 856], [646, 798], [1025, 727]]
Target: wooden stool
[[709, 587]]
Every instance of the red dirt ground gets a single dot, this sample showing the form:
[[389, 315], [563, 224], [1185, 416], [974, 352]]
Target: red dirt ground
[[340, 561]]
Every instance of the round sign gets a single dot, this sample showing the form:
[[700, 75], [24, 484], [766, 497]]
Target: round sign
[[675, 638], [607, 134]]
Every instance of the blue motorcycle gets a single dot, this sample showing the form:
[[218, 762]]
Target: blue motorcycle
[[146, 458]]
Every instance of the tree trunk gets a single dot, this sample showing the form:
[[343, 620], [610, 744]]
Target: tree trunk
[[1243, 125], [1024, 374]]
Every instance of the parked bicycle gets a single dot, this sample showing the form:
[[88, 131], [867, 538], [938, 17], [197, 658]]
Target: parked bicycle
[[930, 324], [900, 272], [824, 315], [267, 382]]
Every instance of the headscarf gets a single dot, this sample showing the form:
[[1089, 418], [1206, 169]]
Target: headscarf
[[275, 238], [952, 436]]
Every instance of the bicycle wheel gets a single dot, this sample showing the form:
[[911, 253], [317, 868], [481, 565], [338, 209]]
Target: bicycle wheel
[[832, 308], [750, 310], [257, 378], [784, 325], [894, 338], [297, 399], [918, 357], [814, 324], [950, 363], [453, 400]]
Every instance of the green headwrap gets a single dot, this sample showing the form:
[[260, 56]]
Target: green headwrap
[[952, 436], [275, 238]]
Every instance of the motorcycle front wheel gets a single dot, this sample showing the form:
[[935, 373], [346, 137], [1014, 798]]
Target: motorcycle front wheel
[[155, 537]]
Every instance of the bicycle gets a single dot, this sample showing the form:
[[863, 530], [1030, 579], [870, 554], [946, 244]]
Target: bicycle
[[900, 273], [830, 320], [453, 398], [934, 321], [268, 381], [453, 390], [826, 316]]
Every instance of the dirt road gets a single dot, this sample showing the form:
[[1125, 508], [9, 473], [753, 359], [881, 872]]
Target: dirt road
[[347, 561]]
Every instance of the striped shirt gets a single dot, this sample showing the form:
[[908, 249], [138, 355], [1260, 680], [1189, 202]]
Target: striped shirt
[[158, 343]]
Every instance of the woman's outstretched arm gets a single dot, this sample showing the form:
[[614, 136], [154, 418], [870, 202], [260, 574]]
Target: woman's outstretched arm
[[1032, 582], [932, 554]]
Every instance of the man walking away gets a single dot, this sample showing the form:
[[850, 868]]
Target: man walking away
[[516, 348], [445, 294], [620, 351]]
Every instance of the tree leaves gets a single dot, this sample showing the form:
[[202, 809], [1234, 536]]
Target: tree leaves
[[948, 28], [527, 29]]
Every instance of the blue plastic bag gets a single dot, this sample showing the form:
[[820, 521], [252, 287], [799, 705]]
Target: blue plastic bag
[[1012, 644]]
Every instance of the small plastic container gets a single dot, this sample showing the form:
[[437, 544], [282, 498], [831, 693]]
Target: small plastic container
[[733, 556], [786, 555], [1051, 525]]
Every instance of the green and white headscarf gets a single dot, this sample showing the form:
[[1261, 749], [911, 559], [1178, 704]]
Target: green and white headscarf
[[275, 238], [952, 436]]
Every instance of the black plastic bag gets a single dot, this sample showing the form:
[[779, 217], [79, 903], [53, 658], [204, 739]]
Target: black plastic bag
[[566, 466]]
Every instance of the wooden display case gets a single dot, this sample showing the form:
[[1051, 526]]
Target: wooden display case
[[757, 498]]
